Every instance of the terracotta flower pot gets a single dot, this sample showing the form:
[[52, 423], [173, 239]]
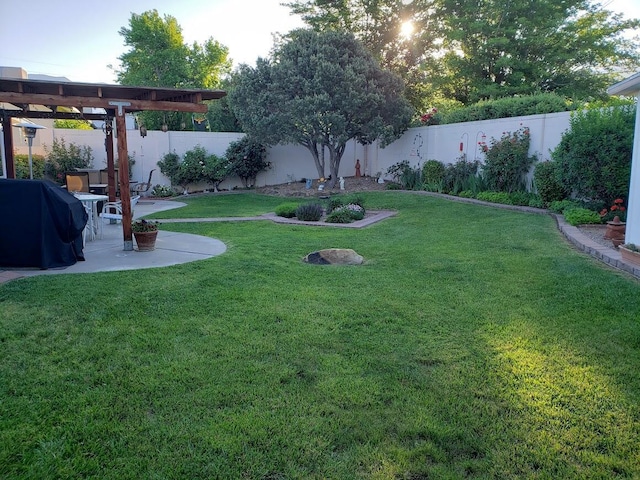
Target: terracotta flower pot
[[615, 231], [146, 240]]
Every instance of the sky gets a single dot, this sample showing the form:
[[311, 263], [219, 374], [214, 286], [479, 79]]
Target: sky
[[78, 39]]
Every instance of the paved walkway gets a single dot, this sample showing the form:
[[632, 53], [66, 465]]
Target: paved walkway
[[174, 248]]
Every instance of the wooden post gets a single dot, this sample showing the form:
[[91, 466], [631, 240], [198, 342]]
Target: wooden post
[[108, 143], [8, 146], [123, 173]]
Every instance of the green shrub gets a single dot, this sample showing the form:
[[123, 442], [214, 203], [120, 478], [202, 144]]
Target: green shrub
[[287, 210], [21, 165], [247, 158], [392, 186], [355, 211], [466, 194], [459, 176], [342, 200], [521, 198], [309, 212], [433, 172], [162, 191], [495, 197], [507, 161], [581, 216], [410, 178], [559, 206], [170, 167], [509, 107], [594, 156], [339, 216], [66, 158], [536, 202], [547, 184]]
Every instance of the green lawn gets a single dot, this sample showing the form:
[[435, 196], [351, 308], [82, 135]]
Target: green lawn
[[474, 343]]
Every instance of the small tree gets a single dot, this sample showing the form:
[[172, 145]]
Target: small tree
[[170, 167], [192, 167], [247, 158], [66, 158], [320, 90], [216, 170]]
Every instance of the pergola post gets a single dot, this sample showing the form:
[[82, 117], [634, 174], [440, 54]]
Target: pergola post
[[123, 174]]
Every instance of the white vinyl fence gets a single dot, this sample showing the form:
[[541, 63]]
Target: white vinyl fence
[[446, 143]]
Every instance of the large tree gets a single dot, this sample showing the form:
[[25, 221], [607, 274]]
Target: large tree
[[473, 50], [158, 57], [401, 34], [320, 90], [496, 49]]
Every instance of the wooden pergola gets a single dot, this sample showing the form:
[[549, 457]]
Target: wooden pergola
[[25, 98]]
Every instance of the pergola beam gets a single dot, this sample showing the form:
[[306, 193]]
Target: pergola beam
[[183, 105]]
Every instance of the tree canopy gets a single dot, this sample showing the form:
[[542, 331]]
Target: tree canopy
[[574, 48], [319, 90], [402, 35], [470, 51], [158, 57]]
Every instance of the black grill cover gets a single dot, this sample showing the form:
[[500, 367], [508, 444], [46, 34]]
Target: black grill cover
[[40, 225]]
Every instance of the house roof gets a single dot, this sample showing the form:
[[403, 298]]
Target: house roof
[[628, 86]]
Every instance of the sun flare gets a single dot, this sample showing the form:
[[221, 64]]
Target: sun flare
[[406, 30]]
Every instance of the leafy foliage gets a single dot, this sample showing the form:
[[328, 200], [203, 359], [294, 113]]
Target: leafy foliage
[[287, 210], [72, 124], [594, 155], [433, 171], [21, 165], [216, 170], [545, 180], [507, 161], [461, 175], [162, 191], [158, 57], [247, 158], [377, 25], [495, 197], [66, 158], [581, 216], [320, 90], [508, 107], [409, 177], [573, 48], [170, 167]]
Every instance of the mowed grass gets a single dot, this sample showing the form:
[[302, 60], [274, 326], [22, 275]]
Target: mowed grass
[[474, 343]]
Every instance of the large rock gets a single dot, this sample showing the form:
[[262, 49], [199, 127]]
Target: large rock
[[334, 256]]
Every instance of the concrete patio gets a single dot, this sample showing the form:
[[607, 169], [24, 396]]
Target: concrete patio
[[107, 253]]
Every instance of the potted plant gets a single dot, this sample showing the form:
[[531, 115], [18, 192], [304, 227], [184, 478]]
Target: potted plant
[[630, 253], [145, 233]]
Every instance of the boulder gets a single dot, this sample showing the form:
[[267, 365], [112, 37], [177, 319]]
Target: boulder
[[334, 256]]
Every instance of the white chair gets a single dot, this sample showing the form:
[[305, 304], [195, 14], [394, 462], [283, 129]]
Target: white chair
[[113, 210]]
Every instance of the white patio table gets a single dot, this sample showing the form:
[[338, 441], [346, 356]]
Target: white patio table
[[90, 201]]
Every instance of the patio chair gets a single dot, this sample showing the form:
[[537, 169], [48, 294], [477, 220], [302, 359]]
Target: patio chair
[[113, 210], [77, 181], [143, 187], [104, 178]]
